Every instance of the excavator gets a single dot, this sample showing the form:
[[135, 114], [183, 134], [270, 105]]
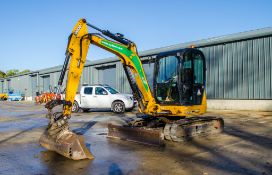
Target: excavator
[[173, 110]]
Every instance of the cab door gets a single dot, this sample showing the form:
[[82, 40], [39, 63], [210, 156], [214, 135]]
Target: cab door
[[102, 98], [192, 77], [187, 78], [166, 80], [87, 98]]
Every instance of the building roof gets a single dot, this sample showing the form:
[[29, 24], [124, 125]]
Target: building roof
[[199, 43]]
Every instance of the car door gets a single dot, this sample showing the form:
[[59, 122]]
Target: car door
[[102, 99], [87, 98]]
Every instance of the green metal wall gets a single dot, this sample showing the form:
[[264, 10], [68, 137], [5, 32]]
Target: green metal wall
[[235, 70], [34, 85], [1, 86], [240, 70], [239, 66]]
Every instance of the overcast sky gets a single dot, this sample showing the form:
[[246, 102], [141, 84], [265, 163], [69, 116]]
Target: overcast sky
[[33, 33]]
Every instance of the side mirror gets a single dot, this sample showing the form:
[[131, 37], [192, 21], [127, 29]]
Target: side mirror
[[104, 93]]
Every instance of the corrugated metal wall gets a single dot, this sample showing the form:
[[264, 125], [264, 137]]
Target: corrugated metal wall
[[5, 88], [46, 83], [107, 75], [149, 71], [34, 85], [239, 70], [1, 86], [9, 88], [19, 84], [54, 78], [122, 84], [235, 70]]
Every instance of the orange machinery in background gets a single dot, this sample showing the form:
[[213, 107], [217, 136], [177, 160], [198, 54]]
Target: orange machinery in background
[[47, 96]]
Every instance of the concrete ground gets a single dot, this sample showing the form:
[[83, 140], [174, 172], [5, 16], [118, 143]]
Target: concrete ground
[[244, 148]]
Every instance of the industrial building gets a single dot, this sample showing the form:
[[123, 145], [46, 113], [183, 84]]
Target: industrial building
[[239, 71]]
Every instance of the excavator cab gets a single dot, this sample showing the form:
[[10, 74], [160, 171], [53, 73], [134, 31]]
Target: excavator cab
[[179, 91], [179, 77]]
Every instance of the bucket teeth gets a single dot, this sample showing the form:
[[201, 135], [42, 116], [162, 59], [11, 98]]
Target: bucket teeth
[[67, 144]]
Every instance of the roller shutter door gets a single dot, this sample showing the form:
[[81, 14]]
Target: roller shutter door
[[107, 75], [46, 83]]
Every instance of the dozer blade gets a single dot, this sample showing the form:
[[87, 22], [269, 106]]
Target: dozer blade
[[149, 136], [176, 131], [67, 144]]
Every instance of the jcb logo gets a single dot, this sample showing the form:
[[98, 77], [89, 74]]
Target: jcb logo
[[77, 30]]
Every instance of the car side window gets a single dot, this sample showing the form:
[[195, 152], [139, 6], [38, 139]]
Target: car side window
[[88, 90], [100, 91]]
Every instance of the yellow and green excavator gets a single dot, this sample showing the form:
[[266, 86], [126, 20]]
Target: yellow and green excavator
[[172, 110]]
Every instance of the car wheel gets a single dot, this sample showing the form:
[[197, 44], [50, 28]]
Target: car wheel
[[118, 107], [75, 107]]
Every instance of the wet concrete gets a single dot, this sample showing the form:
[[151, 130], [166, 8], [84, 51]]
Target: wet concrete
[[244, 148]]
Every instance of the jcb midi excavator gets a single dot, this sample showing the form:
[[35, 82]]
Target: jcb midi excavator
[[171, 111]]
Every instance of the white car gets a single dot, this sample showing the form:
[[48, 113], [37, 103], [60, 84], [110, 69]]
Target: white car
[[102, 97]]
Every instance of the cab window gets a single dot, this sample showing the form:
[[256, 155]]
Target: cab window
[[100, 91], [198, 69], [167, 89], [88, 90], [111, 90]]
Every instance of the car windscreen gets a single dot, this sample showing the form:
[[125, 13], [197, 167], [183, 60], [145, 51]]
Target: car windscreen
[[111, 90]]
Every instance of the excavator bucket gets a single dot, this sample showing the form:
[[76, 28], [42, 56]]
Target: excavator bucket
[[67, 144]]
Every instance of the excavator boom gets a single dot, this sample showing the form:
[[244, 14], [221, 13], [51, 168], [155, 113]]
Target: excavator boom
[[58, 136]]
